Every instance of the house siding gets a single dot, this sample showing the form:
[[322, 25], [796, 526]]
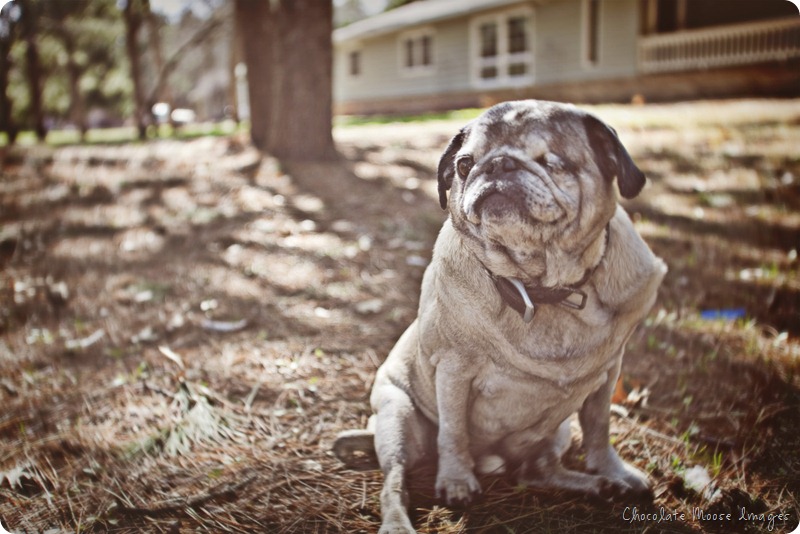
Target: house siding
[[560, 41], [381, 73], [620, 18]]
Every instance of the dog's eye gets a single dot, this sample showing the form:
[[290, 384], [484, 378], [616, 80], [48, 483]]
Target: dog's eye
[[464, 165], [549, 161]]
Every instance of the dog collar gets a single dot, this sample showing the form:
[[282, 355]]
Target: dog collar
[[524, 299]]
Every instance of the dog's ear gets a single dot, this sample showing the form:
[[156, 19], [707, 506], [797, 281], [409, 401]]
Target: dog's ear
[[611, 157], [446, 169]]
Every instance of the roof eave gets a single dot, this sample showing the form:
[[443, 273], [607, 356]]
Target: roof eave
[[375, 26]]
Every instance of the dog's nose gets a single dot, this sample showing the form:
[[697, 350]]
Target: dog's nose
[[503, 164]]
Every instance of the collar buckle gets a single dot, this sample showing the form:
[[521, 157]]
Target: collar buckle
[[568, 303]]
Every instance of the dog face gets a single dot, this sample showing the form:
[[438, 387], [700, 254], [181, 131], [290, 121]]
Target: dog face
[[532, 178]]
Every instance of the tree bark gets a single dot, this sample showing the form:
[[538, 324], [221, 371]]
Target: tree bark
[[34, 68], [133, 22], [302, 121], [6, 120], [253, 22], [289, 55]]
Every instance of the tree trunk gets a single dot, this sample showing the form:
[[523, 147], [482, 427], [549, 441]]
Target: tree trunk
[[6, 121], [289, 55], [34, 69], [253, 23], [77, 109], [133, 22], [302, 118]]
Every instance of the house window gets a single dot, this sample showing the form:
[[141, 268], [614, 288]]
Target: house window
[[354, 59], [502, 48], [416, 52], [425, 43], [488, 46], [591, 32], [517, 35], [409, 44], [489, 40], [518, 47]]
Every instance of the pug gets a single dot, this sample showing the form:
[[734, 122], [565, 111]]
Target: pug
[[537, 280]]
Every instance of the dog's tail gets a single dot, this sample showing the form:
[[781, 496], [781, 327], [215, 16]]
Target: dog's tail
[[356, 449]]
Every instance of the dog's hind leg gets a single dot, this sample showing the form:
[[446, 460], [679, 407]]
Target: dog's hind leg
[[540, 464], [543, 470], [356, 448], [403, 437]]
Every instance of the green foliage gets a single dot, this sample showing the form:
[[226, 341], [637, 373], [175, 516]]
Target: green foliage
[[82, 35]]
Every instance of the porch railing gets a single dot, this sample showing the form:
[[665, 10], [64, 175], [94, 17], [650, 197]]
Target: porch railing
[[723, 46]]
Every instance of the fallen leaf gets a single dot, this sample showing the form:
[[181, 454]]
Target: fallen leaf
[[171, 355], [223, 326]]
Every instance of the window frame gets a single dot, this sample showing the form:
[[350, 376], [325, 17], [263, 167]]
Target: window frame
[[358, 72], [504, 59], [410, 44], [591, 34]]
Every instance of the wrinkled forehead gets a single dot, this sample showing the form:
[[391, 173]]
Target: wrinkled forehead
[[530, 125]]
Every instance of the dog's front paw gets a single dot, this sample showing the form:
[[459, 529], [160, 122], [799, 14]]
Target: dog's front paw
[[397, 525], [457, 488], [626, 484], [639, 483]]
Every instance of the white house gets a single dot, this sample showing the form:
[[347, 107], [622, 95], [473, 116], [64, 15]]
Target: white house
[[444, 54]]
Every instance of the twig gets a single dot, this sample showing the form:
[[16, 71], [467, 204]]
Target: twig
[[179, 503], [156, 389], [659, 435]]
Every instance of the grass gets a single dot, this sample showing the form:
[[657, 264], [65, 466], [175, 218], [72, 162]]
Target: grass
[[129, 134], [759, 115], [739, 113], [464, 115]]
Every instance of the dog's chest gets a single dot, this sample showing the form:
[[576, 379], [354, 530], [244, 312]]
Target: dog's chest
[[544, 376], [505, 400], [573, 340]]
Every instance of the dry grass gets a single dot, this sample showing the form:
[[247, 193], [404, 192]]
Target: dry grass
[[185, 326]]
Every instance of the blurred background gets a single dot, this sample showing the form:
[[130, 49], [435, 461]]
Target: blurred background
[[82, 65]]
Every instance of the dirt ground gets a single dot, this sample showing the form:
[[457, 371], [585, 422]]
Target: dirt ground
[[185, 326]]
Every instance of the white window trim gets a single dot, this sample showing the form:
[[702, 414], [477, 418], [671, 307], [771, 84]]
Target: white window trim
[[586, 63], [503, 59], [416, 70]]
